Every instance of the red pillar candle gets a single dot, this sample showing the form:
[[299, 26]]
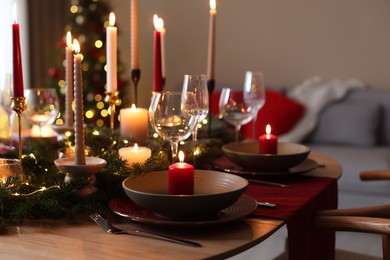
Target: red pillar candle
[[17, 58], [268, 143], [181, 177], [157, 79]]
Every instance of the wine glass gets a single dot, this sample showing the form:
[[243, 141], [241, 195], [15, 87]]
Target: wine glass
[[173, 116], [254, 94], [5, 99], [197, 85], [42, 106], [234, 110]]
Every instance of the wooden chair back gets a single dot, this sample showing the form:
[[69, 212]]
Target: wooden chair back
[[374, 219]]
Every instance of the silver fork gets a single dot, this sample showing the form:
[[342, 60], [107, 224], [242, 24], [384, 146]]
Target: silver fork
[[109, 228]]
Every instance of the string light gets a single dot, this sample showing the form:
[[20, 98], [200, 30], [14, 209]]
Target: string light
[[197, 151], [42, 189]]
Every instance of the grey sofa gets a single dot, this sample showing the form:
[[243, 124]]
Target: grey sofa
[[356, 132]]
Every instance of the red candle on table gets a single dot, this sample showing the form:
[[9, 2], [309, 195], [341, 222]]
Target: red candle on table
[[268, 143], [157, 80], [181, 177], [17, 58]]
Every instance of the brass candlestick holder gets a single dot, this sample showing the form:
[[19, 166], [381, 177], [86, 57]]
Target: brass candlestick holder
[[19, 105], [210, 88], [112, 98], [135, 76]]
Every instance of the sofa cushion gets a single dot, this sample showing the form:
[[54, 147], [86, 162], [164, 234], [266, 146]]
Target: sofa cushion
[[348, 124], [380, 97]]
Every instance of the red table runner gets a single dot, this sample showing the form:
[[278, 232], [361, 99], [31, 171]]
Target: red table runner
[[297, 206]]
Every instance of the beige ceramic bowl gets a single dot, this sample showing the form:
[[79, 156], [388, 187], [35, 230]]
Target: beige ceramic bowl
[[246, 155], [213, 192]]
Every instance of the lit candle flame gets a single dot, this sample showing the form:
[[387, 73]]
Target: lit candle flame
[[213, 4], [14, 12], [112, 19], [268, 129], [76, 45], [158, 23], [135, 148], [68, 38], [133, 108], [181, 156]]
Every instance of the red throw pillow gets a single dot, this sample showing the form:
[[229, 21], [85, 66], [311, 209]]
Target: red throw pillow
[[281, 112]]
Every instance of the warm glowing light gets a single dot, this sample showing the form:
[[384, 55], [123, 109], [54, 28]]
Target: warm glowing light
[[197, 151], [98, 97], [85, 65], [74, 9], [104, 113], [133, 108], [112, 19], [135, 148], [68, 38], [181, 156], [99, 122], [268, 129], [98, 44], [158, 23], [89, 114], [44, 131], [14, 11], [100, 105], [213, 4], [76, 46]]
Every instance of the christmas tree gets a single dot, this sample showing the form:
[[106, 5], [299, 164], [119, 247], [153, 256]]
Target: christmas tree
[[88, 20]]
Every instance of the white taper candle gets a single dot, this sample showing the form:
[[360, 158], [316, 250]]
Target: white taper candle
[[111, 55], [69, 81], [134, 34], [79, 108], [211, 49]]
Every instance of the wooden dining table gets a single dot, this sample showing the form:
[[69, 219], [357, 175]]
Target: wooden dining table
[[82, 239]]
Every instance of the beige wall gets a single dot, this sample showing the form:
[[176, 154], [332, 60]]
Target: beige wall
[[290, 40]]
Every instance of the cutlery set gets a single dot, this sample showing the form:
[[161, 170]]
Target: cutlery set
[[109, 228]]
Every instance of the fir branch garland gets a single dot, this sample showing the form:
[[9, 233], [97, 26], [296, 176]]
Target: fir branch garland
[[41, 193]]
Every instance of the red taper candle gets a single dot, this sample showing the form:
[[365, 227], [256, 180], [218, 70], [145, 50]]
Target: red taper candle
[[157, 79], [17, 58]]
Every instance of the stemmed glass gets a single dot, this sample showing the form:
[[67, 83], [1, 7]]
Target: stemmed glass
[[5, 99], [197, 85], [234, 110], [173, 116], [42, 106], [254, 94]]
